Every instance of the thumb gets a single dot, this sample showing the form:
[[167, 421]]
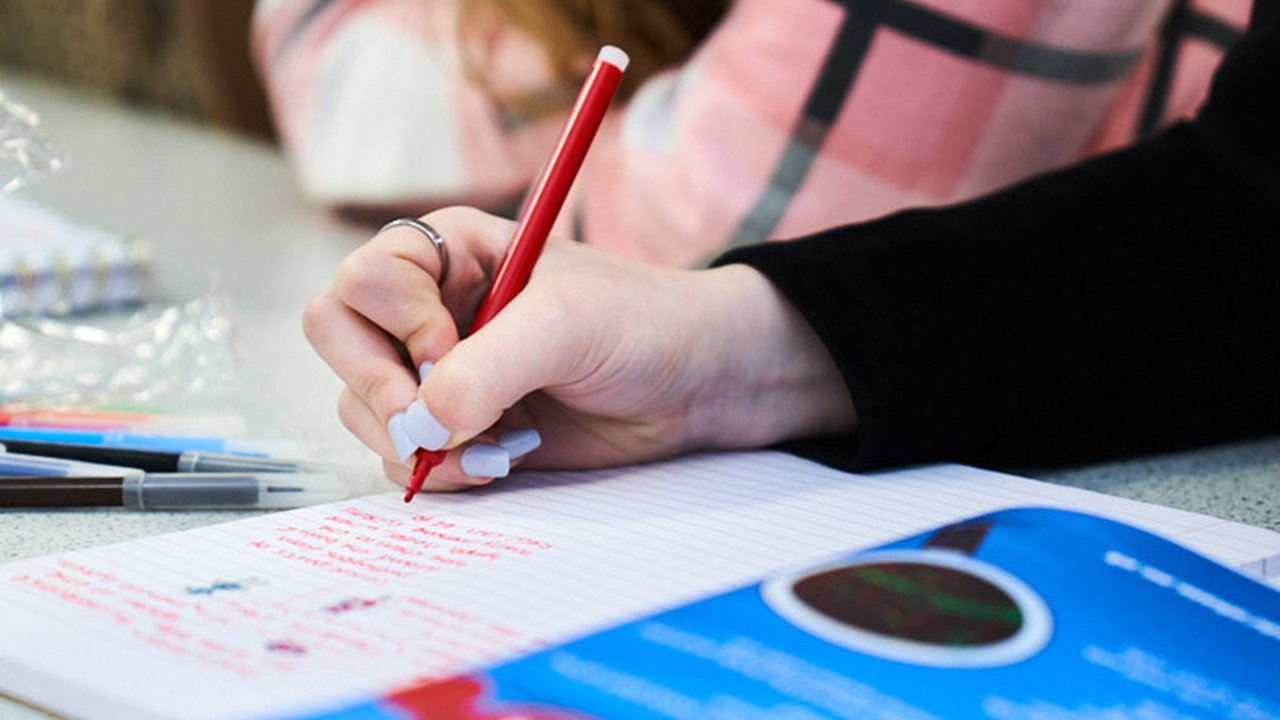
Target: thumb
[[536, 342]]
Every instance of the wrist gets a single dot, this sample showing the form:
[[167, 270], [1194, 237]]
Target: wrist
[[767, 377]]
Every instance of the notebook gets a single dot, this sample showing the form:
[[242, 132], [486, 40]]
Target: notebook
[[51, 265], [282, 614]]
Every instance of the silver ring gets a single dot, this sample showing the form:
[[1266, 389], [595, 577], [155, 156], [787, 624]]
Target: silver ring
[[437, 241]]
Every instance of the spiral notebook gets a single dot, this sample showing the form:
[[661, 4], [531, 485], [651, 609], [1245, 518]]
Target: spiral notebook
[[284, 613], [52, 265]]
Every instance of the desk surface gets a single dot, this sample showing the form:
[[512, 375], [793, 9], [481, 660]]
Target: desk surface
[[227, 220]]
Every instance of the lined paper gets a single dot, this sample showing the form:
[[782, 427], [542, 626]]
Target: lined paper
[[313, 607]]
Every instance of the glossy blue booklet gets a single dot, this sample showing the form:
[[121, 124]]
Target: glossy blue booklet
[[1022, 613]]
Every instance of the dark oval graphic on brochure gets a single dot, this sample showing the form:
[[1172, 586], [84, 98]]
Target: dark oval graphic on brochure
[[920, 602]]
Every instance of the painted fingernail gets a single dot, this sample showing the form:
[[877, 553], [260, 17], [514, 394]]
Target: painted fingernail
[[399, 438], [422, 427], [424, 368], [486, 461], [519, 443]]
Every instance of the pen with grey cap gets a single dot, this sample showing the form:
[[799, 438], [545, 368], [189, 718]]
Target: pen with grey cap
[[32, 481]]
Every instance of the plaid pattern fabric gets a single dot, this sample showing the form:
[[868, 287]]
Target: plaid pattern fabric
[[795, 115]]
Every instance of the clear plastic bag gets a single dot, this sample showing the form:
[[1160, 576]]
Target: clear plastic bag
[[170, 356], [160, 355], [24, 152]]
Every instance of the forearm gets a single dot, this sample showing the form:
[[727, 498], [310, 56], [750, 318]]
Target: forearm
[[764, 376]]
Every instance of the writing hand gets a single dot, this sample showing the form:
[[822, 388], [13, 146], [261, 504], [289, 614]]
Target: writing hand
[[610, 360]]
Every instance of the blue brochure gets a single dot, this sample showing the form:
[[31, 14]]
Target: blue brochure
[[1024, 613]]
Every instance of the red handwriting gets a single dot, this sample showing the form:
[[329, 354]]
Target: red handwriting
[[251, 636], [370, 548], [274, 626], [350, 604]]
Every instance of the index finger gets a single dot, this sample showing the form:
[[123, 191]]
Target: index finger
[[391, 281], [367, 360]]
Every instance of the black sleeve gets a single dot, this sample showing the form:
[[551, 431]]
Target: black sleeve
[[1127, 304]]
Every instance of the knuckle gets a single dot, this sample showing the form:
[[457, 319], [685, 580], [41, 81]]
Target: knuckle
[[357, 274], [376, 390], [316, 313], [347, 411], [454, 215]]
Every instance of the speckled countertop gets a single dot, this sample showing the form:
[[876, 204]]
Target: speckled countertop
[[1237, 481]]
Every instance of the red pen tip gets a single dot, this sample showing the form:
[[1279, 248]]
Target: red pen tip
[[426, 460]]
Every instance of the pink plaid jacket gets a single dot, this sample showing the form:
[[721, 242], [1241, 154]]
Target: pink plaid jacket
[[793, 116]]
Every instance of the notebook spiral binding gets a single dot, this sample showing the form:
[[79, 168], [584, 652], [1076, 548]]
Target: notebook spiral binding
[[51, 266]]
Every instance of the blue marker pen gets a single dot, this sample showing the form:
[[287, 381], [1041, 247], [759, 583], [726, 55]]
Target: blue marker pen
[[139, 441]]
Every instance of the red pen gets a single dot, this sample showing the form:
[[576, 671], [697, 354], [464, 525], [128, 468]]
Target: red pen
[[545, 200]]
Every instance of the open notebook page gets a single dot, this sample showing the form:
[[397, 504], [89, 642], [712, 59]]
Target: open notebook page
[[290, 611]]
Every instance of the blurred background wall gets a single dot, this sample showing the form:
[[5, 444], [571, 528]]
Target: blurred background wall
[[188, 57]]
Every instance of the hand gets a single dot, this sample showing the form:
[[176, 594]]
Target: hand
[[611, 361]]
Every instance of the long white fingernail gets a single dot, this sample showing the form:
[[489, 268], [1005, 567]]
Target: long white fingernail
[[481, 461], [423, 428], [399, 438], [519, 443], [424, 368]]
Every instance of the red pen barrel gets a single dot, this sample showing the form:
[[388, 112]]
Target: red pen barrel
[[540, 212], [550, 189]]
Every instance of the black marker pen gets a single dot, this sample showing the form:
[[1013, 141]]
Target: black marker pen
[[158, 460]]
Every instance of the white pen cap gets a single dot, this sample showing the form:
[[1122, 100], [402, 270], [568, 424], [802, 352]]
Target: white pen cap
[[615, 56]]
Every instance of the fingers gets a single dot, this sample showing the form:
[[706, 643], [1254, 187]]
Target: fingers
[[360, 419], [394, 279], [368, 427], [367, 360], [390, 282], [379, 386], [386, 303], [534, 343], [487, 458]]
